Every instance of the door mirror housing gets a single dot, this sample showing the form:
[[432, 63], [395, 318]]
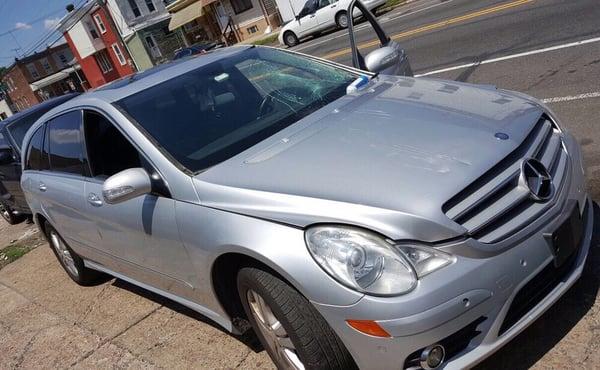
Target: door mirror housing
[[6, 157], [381, 59], [126, 185]]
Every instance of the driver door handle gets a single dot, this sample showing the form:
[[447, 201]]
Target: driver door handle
[[94, 200], [333, 6], [312, 16], [42, 187]]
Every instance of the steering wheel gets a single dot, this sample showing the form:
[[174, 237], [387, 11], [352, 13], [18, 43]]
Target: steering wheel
[[264, 105], [294, 98]]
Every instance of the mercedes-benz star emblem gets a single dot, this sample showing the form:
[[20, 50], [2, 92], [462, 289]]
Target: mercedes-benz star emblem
[[536, 178]]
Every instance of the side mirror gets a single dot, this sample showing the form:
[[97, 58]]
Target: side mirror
[[126, 185], [6, 157], [381, 59]]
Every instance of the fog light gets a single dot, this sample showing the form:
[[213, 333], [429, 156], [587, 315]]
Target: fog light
[[432, 357]]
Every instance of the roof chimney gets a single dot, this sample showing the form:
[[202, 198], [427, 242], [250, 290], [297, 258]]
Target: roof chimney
[[70, 8]]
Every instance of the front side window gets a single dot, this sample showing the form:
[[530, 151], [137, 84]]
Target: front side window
[[109, 152], [37, 156], [210, 114], [66, 144], [240, 6]]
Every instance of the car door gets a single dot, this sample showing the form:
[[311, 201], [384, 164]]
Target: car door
[[10, 176], [326, 13], [60, 188], [307, 19], [140, 233]]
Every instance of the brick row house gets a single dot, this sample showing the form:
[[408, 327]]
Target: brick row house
[[40, 76], [96, 44]]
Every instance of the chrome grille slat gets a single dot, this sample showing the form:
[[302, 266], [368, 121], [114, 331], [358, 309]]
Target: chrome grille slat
[[495, 210], [497, 204]]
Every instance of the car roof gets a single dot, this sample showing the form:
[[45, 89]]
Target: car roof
[[137, 82], [45, 105]]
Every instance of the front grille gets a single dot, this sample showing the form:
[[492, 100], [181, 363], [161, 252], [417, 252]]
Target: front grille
[[453, 344], [495, 205]]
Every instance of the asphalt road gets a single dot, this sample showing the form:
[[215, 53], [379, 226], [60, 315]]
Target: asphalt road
[[549, 49]]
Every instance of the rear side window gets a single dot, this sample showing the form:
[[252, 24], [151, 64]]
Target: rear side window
[[66, 144], [18, 128], [37, 157]]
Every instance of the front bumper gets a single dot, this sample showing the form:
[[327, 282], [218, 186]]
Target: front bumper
[[476, 292]]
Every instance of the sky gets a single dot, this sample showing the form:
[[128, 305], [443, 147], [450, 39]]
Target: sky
[[26, 24]]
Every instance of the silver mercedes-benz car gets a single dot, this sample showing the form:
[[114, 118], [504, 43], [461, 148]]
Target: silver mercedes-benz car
[[353, 219]]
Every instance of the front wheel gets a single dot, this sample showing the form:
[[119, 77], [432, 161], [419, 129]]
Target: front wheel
[[288, 326]]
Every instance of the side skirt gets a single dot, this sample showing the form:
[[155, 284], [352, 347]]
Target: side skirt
[[225, 323]]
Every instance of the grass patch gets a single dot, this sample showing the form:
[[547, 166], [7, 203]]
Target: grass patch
[[12, 253], [267, 40], [393, 3]]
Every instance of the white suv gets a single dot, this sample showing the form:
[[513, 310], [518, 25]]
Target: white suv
[[319, 15]]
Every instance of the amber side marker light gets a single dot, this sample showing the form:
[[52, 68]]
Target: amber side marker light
[[369, 327]]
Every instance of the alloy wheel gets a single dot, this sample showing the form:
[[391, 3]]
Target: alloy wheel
[[272, 330], [343, 20], [63, 253]]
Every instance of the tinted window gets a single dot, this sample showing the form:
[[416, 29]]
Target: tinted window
[[66, 144], [19, 128], [109, 152], [37, 159], [210, 114]]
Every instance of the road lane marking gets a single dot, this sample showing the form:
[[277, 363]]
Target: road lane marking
[[512, 56], [363, 26], [433, 26], [560, 99]]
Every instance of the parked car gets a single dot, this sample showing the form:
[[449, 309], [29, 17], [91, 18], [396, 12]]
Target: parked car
[[319, 15], [13, 206], [196, 49], [397, 222]]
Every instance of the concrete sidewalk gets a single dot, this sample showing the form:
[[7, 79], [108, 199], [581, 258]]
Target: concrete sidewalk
[[47, 321]]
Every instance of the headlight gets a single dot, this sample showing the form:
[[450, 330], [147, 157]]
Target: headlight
[[368, 263]]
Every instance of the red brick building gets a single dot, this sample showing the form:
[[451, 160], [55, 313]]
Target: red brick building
[[92, 37], [42, 75]]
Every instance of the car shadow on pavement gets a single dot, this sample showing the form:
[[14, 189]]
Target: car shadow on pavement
[[544, 334], [248, 338]]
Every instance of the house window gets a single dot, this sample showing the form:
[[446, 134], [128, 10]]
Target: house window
[[99, 23], [252, 29], [241, 5], [134, 8], [63, 59], [118, 53], [92, 30], [46, 65], [150, 6], [103, 61], [33, 71]]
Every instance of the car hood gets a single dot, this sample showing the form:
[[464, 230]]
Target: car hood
[[387, 158]]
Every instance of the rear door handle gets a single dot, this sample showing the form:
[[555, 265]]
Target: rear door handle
[[43, 187], [333, 6], [94, 200]]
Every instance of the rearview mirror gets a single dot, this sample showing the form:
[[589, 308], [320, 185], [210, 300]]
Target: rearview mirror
[[126, 185], [6, 157]]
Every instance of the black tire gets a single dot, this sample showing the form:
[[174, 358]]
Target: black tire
[[290, 39], [80, 274], [316, 344], [8, 215], [341, 19]]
